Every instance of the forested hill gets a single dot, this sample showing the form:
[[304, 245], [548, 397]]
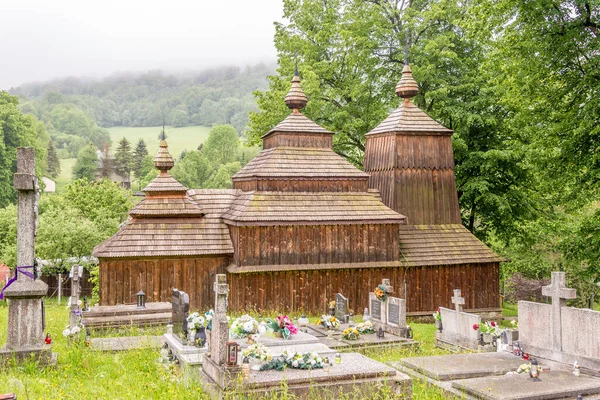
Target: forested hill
[[213, 96]]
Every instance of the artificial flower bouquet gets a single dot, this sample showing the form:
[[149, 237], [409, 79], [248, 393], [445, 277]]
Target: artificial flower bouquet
[[209, 317], [283, 325], [350, 334], [244, 326], [257, 351], [437, 316], [380, 293], [196, 321], [328, 321], [365, 327]]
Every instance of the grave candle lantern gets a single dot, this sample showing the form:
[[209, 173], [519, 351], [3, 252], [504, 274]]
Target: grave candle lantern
[[141, 299], [232, 353], [534, 373], [380, 333]]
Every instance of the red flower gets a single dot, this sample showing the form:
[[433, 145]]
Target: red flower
[[493, 324], [439, 309], [475, 327]]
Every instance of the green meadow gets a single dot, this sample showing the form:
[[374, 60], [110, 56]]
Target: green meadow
[[179, 139]]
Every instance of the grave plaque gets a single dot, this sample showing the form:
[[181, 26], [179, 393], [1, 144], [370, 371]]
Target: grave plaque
[[180, 302], [396, 315], [341, 307], [378, 309]]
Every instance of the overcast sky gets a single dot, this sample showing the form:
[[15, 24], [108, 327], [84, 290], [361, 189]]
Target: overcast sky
[[44, 39]]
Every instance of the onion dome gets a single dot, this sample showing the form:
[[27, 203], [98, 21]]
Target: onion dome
[[407, 87]]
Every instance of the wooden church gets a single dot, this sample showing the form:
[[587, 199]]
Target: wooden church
[[302, 224]]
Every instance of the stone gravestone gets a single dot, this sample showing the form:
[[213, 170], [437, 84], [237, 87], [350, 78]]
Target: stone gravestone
[[458, 325], [341, 307], [214, 364], [557, 332], [75, 275], [25, 336], [378, 308], [396, 316], [180, 302]]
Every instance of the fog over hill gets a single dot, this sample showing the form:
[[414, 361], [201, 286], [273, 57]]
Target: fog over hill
[[43, 40]]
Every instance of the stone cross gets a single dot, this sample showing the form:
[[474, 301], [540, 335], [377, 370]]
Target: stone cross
[[220, 329], [559, 293], [386, 284], [75, 275], [26, 307], [458, 300]]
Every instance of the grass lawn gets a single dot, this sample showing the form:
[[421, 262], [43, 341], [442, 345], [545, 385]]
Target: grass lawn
[[85, 374], [179, 139], [66, 167]]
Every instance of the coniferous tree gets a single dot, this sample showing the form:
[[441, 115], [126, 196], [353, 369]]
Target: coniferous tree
[[124, 159], [141, 151], [53, 161], [106, 163]]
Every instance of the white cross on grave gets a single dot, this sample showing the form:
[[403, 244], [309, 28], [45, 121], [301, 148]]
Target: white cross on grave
[[559, 293], [458, 300], [220, 330]]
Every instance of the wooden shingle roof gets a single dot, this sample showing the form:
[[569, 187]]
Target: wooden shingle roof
[[297, 122], [283, 208], [295, 162], [213, 202], [422, 245], [166, 222], [167, 237], [152, 206], [164, 182], [408, 118]]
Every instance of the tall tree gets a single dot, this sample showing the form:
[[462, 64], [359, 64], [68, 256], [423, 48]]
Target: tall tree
[[124, 159], [352, 53], [87, 163], [17, 129], [140, 152], [222, 145], [53, 161]]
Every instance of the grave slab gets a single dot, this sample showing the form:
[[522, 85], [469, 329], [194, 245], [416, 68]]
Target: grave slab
[[463, 366], [553, 385], [365, 341], [126, 343], [356, 373]]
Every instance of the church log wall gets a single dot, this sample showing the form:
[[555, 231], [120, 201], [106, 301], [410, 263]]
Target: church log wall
[[427, 288], [315, 244], [121, 279]]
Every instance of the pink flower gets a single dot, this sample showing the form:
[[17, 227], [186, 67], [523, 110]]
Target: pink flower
[[475, 327], [493, 324], [293, 330], [439, 309]]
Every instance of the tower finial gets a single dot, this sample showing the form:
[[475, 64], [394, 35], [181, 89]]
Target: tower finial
[[163, 160], [407, 87], [296, 99]]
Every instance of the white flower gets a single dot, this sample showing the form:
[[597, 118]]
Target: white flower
[[295, 364], [75, 330], [79, 303], [262, 329], [312, 362], [248, 326], [66, 332]]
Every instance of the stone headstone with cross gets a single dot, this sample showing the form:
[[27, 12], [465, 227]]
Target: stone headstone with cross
[[559, 293], [25, 337], [557, 332], [458, 325], [378, 308], [75, 275]]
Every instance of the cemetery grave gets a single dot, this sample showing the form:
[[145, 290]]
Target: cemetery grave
[[556, 336]]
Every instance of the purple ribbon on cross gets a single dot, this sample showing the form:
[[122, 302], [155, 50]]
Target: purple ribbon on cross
[[14, 278]]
